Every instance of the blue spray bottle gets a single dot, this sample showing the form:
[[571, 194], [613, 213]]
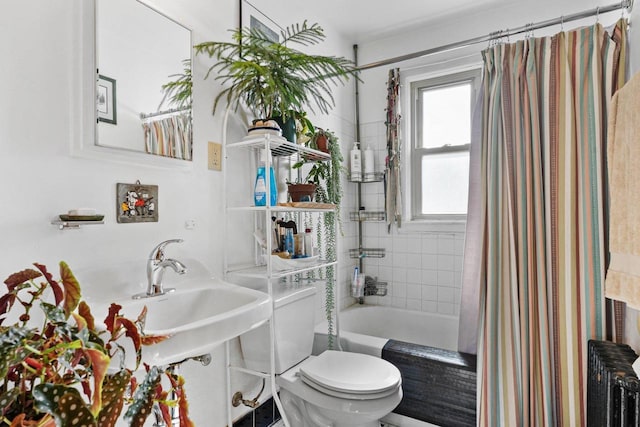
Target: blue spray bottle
[[260, 189]]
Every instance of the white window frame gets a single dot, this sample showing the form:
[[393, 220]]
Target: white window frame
[[449, 222]]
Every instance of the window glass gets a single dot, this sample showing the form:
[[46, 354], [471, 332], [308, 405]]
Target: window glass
[[440, 149], [444, 116], [445, 183]]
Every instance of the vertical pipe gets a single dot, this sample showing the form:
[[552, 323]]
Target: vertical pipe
[[227, 365], [359, 185]]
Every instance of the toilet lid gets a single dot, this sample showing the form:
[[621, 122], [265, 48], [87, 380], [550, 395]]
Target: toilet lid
[[351, 373]]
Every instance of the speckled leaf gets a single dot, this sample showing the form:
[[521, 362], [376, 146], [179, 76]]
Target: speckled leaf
[[6, 302], [10, 341], [153, 339], [99, 366], [53, 313], [140, 409], [8, 398], [55, 286], [113, 398], [142, 317], [71, 288], [132, 332], [85, 312], [80, 322], [65, 404], [177, 382], [110, 320], [21, 277]]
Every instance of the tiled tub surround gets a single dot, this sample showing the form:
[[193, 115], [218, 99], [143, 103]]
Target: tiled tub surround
[[423, 269]]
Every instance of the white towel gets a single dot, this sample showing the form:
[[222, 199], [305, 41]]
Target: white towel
[[623, 152]]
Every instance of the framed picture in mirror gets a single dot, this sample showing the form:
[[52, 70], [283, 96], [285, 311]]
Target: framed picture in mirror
[[106, 100]]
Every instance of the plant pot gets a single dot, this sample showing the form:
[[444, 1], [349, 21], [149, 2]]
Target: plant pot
[[322, 143], [288, 128], [301, 192]]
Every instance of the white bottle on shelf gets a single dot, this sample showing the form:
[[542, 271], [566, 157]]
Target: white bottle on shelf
[[308, 242], [369, 164], [355, 164]]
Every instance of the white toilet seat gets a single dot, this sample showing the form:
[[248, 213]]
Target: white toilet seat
[[350, 375]]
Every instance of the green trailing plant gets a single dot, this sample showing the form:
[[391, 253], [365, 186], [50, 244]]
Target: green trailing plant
[[178, 92], [57, 373], [270, 77], [327, 177], [326, 174]]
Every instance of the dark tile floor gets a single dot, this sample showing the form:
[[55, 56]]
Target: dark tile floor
[[263, 416]]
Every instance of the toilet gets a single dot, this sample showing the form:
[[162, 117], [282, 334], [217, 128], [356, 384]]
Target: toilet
[[335, 388]]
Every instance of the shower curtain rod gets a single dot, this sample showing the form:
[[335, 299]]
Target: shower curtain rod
[[624, 4]]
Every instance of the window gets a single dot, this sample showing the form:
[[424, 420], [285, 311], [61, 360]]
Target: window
[[441, 117]]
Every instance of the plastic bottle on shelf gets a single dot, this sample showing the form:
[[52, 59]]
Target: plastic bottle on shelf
[[260, 189], [369, 164], [355, 164], [308, 242], [288, 241]]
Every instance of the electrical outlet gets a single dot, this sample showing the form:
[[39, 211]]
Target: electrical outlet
[[215, 156]]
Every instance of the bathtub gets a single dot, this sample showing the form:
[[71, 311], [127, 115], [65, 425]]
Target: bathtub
[[367, 328], [438, 383]]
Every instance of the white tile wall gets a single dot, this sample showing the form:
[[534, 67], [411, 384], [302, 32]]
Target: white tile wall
[[423, 270]]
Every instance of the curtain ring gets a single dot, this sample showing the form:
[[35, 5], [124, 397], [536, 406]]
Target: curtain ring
[[598, 15], [561, 22]]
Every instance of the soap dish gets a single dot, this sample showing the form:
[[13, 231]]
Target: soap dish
[[66, 217]]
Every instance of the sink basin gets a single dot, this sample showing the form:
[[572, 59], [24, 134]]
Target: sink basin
[[202, 313], [198, 316], [196, 319]]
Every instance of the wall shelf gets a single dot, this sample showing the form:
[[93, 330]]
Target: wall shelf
[[260, 271], [63, 225], [368, 177], [373, 216], [367, 253]]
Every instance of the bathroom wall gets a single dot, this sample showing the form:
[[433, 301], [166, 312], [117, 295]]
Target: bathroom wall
[[424, 267], [39, 80]]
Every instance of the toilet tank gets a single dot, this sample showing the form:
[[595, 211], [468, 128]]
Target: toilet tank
[[293, 317]]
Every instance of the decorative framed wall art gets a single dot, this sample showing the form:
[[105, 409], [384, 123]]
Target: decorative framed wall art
[[136, 203], [252, 17]]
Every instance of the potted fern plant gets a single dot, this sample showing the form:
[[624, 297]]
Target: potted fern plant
[[273, 78], [56, 374]]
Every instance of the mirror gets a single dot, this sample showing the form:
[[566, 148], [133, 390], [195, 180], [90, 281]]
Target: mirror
[[143, 91]]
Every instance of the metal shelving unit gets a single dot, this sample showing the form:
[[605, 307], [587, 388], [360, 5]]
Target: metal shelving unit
[[263, 268], [363, 215]]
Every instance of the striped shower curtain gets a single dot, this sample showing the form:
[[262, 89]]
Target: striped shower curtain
[[542, 168]]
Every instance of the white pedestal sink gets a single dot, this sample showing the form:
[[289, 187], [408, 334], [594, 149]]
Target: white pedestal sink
[[202, 313]]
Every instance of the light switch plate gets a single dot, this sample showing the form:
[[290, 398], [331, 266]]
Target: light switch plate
[[215, 156]]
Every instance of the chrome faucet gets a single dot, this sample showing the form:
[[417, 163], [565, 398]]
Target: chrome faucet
[[155, 270]]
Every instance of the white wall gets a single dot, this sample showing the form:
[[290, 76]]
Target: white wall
[[40, 179], [424, 268]]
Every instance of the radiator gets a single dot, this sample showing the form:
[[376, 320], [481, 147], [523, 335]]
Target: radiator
[[613, 389]]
